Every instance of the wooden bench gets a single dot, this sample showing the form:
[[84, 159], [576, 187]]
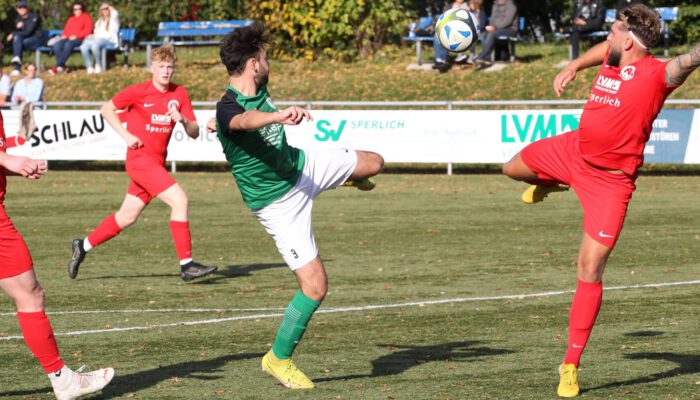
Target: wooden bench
[[126, 41], [192, 33], [413, 28]]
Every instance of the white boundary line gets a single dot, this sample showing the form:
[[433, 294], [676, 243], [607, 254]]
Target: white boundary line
[[329, 310]]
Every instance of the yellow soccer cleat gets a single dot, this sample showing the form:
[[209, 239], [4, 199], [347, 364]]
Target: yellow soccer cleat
[[364, 184], [286, 373], [537, 193], [568, 381]]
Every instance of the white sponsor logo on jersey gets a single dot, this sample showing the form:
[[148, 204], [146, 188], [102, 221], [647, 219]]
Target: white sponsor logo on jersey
[[160, 119], [608, 84], [627, 73]]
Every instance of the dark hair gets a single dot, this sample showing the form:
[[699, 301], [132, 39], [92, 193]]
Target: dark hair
[[643, 21], [240, 45], [78, 3]]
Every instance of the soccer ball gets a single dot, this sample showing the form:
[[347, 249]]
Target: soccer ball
[[457, 30]]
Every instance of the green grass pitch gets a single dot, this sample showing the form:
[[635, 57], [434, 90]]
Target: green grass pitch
[[415, 238]]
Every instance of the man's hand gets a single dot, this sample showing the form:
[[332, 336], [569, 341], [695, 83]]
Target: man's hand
[[24, 166], [564, 76], [72, 37], [9, 37], [20, 25], [132, 141], [580, 21], [490, 28], [175, 115], [211, 125], [293, 116]]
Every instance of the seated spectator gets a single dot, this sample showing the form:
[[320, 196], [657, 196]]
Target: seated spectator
[[29, 89], [477, 8], [441, 52], [5, 88], [28, 35], [588, 16], [77, 28], [106, 34], [504, 22]]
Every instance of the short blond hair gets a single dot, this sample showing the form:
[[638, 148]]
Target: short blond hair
[[164, 53]]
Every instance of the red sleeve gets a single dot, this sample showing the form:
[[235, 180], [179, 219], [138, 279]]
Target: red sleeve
[[126, 97], [186, 106], [86, 27]]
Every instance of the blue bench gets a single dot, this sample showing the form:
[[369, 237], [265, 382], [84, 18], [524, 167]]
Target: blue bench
[[511, 40], [126, 40], [192, 33], [668, 14], [414, 27]]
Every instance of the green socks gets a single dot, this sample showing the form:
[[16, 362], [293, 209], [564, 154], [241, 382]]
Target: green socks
[[296, 318]]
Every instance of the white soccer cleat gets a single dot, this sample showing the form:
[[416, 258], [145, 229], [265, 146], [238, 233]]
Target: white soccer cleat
[[83, 384]]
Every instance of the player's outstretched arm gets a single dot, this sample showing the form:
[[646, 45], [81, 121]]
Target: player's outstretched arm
[[678, 69], [593, 57], [23, 166], [256, 119], [109, 112]]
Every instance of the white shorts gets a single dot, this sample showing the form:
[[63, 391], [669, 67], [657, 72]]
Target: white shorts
[[288, 219]]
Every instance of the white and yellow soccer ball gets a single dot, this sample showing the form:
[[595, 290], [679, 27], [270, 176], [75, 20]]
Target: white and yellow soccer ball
[[457, 30]]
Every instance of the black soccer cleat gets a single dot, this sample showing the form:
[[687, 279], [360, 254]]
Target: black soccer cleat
[[76, 258], [194, 270]]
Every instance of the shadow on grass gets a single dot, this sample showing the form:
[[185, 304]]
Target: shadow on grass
[[409, 356], [687, 365], [234, 271], [122, 385]]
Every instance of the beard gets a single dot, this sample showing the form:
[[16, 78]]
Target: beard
[[262, 80], [614, 57]]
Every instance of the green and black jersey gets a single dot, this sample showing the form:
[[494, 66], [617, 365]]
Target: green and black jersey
[[264, 165]]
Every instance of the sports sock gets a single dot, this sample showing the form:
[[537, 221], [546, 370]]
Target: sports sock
[[180, 230], [87, 246], [61, 379], [296, 318], [39, 337], [106, 230], [584, 311]]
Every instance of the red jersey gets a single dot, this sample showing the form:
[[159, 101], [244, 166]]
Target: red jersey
[[3, 148], [146, 118], [617, 119]]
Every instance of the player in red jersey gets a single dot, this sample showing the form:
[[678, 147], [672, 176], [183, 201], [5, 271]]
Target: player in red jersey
[[18, 280], [152, 109], [600, 159]]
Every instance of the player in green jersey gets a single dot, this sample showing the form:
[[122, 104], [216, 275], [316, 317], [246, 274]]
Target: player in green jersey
[[279, 183]]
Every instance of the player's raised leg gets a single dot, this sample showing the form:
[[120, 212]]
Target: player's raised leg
[[28, 296], [128, 213], [176, 198], [584, 310], [278, 361], [368, 165], [517, 169]]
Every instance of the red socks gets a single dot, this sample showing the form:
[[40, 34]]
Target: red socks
[[181, 237], [584, 311], [106, 230], [38, 335]]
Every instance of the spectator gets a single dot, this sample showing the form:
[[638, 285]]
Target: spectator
[[622, 4], [106, 35], [588, 16], [504, 22], [77, 28], [29, 89], [441, 52], [5, 86], [28, 35], [477, 8]]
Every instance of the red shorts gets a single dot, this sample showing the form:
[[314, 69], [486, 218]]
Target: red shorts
[[14, 254], [603, 195], [148, 178]]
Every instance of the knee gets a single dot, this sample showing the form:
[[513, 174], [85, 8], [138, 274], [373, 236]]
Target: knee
[[125, 219], [31, 300], [376, 163], [317, 291], [590, 269]]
